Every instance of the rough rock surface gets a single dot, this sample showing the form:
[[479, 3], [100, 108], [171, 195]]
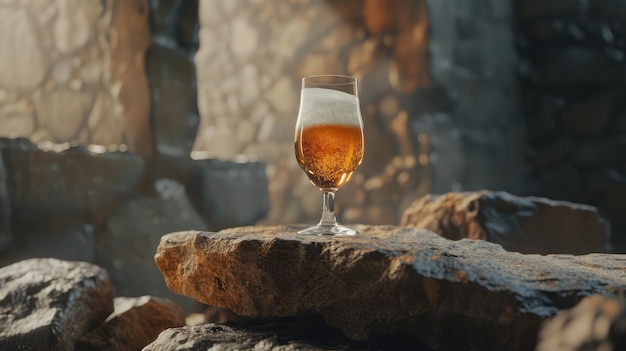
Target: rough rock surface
[[447, 294], [47, 304], [596, 323], [282, 334], [222, 337], [528, 225], [135, 323]]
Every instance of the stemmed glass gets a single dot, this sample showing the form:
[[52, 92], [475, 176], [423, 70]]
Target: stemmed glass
[[329, 141]]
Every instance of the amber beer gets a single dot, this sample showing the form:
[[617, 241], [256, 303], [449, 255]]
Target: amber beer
[[329, 142], [329, 153]]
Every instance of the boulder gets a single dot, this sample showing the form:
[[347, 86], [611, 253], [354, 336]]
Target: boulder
[[522, 224], [597, 323], [220, 337], [48, 304], [452, 295], [136, 322], [284, 334]]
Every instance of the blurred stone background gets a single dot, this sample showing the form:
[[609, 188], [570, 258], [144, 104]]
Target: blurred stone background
[[73, 71], [440, 111], [572, 77], [140, 117]]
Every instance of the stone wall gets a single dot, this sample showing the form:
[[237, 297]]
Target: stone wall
[[73, 71], [573, 81], [472, 117]]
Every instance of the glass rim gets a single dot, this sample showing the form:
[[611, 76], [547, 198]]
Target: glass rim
[[311, 79]]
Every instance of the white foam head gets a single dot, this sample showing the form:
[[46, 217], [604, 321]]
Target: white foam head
[[328, 106]]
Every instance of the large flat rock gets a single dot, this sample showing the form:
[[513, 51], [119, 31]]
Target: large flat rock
[[447, 294]]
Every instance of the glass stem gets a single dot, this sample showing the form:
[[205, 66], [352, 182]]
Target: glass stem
[[328, 210]]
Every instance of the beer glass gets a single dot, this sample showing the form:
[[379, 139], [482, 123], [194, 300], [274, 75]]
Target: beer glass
[[329, 141]]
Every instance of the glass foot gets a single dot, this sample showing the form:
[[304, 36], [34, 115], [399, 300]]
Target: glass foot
[[336, 229]]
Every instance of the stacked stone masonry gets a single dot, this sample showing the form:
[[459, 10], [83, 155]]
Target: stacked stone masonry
[[573, 84], [73, 71]]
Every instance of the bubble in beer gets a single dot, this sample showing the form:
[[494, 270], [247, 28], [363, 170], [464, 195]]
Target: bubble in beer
[[328, 106]]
